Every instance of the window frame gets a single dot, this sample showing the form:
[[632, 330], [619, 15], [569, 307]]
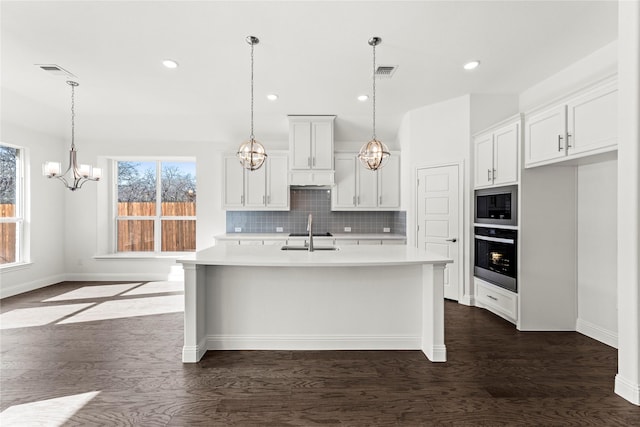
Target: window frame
[[158, 217], [20, 210]]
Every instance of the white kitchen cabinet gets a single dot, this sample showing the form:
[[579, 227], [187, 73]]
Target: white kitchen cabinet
[[496, 155], [582, 125], [311, 150], [263, 189], [358, 188], [497, 300]]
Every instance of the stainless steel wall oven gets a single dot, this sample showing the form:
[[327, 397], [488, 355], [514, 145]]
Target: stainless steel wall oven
[[496, 256]]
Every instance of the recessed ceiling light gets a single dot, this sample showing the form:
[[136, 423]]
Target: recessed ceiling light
[[170, 63], [472, 65], [272, 96], [363, 98]]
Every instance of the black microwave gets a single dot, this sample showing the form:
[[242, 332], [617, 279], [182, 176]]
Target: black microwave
[[497, 205]]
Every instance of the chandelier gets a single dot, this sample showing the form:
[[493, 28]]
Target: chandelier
[[373, 154], [75, 176], [251, 153]]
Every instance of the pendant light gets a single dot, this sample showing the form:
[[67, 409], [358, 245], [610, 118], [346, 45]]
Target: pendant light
[[75, 176], [373, 154], [251, 153]]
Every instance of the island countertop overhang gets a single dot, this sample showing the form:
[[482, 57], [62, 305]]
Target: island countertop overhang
[[346, 256]]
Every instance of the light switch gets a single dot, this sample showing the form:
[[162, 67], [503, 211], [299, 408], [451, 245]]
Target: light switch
[[347, 229], [237, 229]]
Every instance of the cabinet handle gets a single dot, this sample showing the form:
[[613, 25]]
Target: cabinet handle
[[560, 138], [493, 175], [309, 161], [354, 200], [488, 174], [358, 198], [313, 162], [264, 200], [379, 200], [492, 297], [569, 136], [269, 198], [242, 199]]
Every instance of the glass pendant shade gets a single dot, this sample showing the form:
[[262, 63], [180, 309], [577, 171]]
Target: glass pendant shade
[[373, 154], [251, 154]]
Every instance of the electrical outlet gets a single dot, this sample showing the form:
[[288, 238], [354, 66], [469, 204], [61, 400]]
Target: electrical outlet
[[386, 230], [237, 229], [279, 229], [347, 229]]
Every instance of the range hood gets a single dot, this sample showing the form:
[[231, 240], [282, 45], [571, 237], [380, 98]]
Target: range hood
[[311, 178]]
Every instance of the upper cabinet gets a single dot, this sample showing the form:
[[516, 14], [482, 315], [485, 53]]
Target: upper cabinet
[[582, 125], [311, 150], [496, 154], [265, 188], [358, 188]]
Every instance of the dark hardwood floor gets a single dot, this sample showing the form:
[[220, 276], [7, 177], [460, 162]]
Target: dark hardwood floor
[[107, 355]]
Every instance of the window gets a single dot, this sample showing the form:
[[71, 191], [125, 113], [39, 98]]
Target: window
[[142, 224], [11, 205]]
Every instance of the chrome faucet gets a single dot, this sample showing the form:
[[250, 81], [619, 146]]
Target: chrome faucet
[[310, 230]]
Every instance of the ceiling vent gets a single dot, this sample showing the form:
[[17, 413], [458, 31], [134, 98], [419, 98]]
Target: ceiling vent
[[55, 70], [386, 71]]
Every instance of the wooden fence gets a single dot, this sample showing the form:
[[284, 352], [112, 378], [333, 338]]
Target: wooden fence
[[133, 235], [136, 235], [7, 235]]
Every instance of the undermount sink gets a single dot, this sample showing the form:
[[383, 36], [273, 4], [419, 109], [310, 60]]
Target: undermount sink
[[304, 248]]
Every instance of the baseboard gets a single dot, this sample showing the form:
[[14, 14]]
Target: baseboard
[[467, 300], [193, 353], [20, 288], [627, 390], [437, 353], [597, 333], [312, 342]]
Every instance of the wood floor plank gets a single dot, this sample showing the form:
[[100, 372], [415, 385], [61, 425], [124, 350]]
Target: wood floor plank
[[494, 376]]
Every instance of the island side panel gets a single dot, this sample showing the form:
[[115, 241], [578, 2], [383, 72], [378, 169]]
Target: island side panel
[[433, 312], [194, 313], [320, 308]]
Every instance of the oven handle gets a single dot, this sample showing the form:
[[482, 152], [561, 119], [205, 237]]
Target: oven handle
[[495, 239]]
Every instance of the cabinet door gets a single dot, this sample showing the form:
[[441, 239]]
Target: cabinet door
[[255, 187], [343, 194], [233, 196], [277, 186], [300, 134], [545, 136], [483, 160], [389, 183], [592, 120], [322, 145], [505, 154], [367, 188]]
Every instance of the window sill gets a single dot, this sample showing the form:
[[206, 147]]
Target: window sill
[[140, 256], [7, 268]]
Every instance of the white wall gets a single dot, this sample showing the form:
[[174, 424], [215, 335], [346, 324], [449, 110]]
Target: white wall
[[597, 251], [46, 214]]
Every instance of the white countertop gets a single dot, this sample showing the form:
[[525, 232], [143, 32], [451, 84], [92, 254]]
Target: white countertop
[[346, 256], [285, 236]]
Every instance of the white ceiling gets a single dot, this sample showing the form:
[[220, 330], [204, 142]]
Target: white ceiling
[[314, 54]]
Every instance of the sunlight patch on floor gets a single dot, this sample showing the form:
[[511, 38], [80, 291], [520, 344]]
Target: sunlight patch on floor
[[37, 316], [96, 291], [129, 307], [156, 288], [50, 413]]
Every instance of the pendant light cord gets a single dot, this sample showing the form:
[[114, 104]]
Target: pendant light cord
[[252, 136], [374, 91]]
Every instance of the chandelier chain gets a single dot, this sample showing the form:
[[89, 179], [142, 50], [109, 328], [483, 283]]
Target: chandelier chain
[[73, 116], [252, 136], [374, 91]]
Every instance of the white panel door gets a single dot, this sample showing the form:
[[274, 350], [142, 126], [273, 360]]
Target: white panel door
[[300, 134], [256, 188], [545, 135], [389, 183], [367, 187], [322, 138], [343, 194], [438, 228]]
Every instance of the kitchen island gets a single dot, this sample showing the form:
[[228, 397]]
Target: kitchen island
[[357, 297]]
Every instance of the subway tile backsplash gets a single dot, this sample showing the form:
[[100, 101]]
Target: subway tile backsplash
[[318, 203]]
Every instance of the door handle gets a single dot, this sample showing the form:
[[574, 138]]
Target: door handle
[[453, 239]]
